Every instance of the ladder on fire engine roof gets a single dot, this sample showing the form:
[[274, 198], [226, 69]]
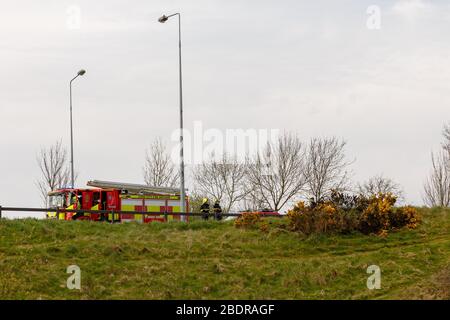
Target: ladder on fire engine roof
[[133, 188]]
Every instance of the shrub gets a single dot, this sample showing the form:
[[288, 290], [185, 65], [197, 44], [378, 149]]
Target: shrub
[[346, 213], [320, 218], [345, 201], [381, 216], [404, 217], [248, 220], [375, 218]]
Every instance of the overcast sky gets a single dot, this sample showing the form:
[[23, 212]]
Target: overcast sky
[[313, 67]]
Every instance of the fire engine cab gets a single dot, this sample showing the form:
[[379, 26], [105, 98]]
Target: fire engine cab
[[115, 196]]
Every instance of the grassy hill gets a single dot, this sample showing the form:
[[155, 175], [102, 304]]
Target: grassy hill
[[217, 261]]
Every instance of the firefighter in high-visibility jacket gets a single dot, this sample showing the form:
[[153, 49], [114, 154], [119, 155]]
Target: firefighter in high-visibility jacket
[[204, 209], [217, 210], [71, 206]]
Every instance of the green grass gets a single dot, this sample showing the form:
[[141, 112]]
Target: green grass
[[209, 260]]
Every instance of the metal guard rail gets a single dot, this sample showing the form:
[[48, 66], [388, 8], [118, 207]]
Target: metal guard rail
[[150, 213]]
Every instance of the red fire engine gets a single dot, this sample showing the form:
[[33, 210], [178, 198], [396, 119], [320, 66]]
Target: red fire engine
[[114, 196]]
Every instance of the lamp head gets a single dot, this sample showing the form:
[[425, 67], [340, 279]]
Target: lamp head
[[81, 72], [163, 19]]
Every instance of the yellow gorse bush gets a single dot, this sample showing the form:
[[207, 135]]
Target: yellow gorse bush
[[373, 215], [322, 218], [375, 218], [376, 215], [380, 216], [247, 219]]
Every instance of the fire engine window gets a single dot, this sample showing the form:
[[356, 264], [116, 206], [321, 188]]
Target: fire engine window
[[56, 201], [96, 199]]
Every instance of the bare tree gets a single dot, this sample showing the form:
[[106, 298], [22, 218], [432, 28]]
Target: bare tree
[[380, 184], [221, 179], [55, 172], [447, 146], [252, 200], [325, 167], [159, 169], [276, 174], [437, 185], [446, 143]]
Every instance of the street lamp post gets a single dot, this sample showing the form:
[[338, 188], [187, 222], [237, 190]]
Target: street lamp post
[[72, 178], [163, 19]]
